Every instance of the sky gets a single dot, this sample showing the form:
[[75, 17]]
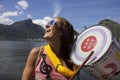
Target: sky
[[79, 13]]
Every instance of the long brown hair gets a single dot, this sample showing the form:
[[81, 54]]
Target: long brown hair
[[67, 38]]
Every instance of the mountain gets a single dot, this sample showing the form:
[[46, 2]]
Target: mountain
[[114, 27], [22, 30], [26, 30]]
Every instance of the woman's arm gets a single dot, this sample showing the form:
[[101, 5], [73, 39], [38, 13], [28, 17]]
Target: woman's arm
[[29, 70]]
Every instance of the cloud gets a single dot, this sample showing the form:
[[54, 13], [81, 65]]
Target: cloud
[[4, 18], [57, 9], [10, 13], [22, 4], [37, 21], [29, 16], [6, 21], [43, 22]]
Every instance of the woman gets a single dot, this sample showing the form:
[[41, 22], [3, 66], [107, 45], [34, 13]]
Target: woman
[[59, 34]]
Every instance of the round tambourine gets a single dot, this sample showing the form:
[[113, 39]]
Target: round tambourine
[[96, 38]]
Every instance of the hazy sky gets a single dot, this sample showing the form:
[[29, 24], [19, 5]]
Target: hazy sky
[[79, 12]]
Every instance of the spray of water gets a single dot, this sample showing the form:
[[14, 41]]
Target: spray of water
[[57, 9], [43, 22]]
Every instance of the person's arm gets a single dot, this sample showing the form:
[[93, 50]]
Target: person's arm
[[29, 70]]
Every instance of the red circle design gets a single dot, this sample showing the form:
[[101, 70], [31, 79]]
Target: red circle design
[[88, 44]]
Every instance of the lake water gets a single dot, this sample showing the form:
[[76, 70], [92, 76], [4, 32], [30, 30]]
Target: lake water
[[13, 55]]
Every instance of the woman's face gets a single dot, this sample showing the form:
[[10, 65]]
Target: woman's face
[[52, 30]]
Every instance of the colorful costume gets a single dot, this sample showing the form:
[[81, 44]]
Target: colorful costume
[[45, 70]]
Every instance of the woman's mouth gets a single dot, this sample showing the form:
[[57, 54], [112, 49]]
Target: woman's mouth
[[48, 30]]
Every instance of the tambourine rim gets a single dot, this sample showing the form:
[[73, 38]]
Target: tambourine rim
[[105, 50]]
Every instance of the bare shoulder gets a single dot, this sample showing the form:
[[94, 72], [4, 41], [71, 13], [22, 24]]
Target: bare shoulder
[[30, 64], [35, 51]]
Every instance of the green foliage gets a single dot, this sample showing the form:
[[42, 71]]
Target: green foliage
[[22, 30], [114, 27]]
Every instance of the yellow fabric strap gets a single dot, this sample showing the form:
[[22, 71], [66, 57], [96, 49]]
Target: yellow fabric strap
[[57, 64]]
